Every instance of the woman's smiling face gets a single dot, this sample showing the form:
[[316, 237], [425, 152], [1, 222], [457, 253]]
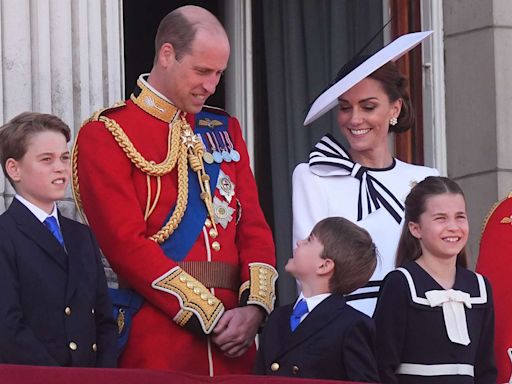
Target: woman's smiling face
[[363, 115]]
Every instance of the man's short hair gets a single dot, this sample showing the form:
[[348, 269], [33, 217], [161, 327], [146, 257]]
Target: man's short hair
[[15, 134], [176, 29], [352, 250]]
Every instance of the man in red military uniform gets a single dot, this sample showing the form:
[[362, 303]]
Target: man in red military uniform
[[166, 186], [495, 262]]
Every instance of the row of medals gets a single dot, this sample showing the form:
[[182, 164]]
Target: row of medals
[[218, 153]]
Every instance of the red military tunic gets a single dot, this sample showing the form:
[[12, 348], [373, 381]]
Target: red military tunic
[[113, 191], [495, 262]]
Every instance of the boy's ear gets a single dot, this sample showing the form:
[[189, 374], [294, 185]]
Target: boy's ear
[[414, 228], [12, 169], [326, 267]]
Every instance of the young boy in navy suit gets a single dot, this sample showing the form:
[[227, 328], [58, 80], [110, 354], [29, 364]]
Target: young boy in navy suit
[[54, 306], [320, 336]]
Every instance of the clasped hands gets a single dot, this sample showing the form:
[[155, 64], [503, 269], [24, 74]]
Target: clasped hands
[[236, 329]]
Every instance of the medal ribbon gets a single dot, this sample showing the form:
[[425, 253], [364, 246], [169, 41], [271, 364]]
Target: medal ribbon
[[177, 246]]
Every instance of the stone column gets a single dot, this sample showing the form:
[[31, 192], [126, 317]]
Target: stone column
[[478, 63], [63, 57]]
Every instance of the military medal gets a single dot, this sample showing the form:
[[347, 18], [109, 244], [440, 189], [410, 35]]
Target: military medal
[[225, 153], [225, 156], [215, 153], [207, 156], [235, 155], [223, 213], [225, 186]]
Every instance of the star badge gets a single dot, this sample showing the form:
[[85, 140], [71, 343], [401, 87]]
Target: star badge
[[222, 212], [225, 186], [189, 138]]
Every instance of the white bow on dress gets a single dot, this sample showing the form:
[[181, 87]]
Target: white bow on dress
[[453, 302]]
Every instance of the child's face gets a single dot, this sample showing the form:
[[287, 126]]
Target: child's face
[[443, 227], [42, 175], [306, 258]]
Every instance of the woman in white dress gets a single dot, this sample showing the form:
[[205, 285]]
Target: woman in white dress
[[363, 183]]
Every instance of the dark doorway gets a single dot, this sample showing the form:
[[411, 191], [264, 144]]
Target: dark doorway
[[141, 19]]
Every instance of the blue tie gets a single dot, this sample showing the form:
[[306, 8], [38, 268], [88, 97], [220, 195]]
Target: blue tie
[[300, 310], [51, 223]]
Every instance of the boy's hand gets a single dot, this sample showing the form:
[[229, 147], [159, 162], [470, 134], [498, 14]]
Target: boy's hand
[[236, 330]]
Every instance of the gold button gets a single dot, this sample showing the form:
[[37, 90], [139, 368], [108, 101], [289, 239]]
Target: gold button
[[208, 223], [213, 233], [210, 302], [295, 370], [67, 311], [197, 291], [216, 246], [73, 346], [183, 279], [274, 367], [94, 347], [190, 285], [92, 311], [204, 296]]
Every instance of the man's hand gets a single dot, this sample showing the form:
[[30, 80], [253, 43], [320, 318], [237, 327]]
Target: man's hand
[[237, 329]]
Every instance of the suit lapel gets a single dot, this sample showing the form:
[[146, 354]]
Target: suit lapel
[[315, 322], [75, 268], [35, 230]]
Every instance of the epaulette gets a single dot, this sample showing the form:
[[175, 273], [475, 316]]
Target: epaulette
[[96, 115], [216, 110]]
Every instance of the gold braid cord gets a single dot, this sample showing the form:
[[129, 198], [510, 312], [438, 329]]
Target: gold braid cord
[[181, 202], [183, 146], [148, 167], [195, 158], [74, 182]]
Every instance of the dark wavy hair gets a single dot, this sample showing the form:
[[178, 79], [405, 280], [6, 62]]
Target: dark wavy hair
[[415, 204]]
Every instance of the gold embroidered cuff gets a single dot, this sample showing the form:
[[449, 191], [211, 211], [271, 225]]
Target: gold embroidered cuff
[[183, 317], [193, 296], [243, 288], [262, 286]]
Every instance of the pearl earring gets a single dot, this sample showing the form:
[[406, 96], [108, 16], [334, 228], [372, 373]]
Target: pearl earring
[[393, 121]]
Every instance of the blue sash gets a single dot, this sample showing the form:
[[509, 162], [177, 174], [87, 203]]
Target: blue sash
[[177, 246], [126, 302]]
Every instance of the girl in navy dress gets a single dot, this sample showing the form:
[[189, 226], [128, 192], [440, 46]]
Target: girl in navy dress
[[434, 317]]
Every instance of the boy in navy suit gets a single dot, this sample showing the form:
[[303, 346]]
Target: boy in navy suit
[[54, 306], [320, 336]]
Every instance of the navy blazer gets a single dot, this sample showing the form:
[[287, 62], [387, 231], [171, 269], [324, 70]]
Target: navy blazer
[[334, 341], [54, 305]]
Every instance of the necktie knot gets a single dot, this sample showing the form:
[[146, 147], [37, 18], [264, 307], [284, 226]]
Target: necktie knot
[[51, 223], [300, 310]]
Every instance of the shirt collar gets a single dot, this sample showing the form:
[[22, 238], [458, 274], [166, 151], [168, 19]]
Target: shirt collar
[[312, 301], [36, 211]]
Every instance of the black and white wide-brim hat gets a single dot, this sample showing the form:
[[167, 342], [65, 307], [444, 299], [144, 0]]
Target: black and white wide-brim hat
[[394, 50]]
